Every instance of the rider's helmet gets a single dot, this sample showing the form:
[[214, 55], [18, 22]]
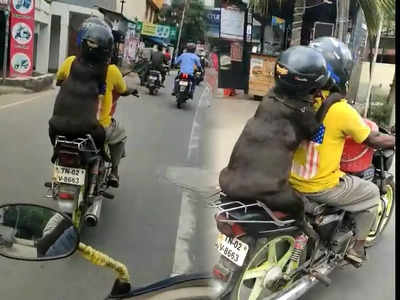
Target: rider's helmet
[[339, 62], [96, 40], [191, 47], [300, 71]]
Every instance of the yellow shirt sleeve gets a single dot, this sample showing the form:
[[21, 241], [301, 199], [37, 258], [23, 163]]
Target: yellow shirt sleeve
[[114, 82], [118, 81], [351, 122], [65, 68]]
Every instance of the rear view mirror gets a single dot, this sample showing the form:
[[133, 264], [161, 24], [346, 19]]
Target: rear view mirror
[[36, 233]]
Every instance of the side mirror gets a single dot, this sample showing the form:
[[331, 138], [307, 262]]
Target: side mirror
[[36, 233]]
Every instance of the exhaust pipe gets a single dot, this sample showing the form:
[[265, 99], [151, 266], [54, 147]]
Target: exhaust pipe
[[92, 215], [301, 286]]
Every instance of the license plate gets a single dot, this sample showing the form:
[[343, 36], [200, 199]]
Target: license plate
[[69, 175], [232, 248], [152, 77], [185, 83]]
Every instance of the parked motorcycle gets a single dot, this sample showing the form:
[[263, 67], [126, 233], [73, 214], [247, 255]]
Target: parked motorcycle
[[183, 86], [45, 234], [263, 255], [153, 81]]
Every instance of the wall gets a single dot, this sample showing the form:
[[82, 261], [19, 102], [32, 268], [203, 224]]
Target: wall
[[42, 36], [63, 10], [382, 78], [54, 42], [108, 4]]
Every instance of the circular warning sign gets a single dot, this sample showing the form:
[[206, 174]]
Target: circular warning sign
[[22, 33], [21, 63], [23, 6]]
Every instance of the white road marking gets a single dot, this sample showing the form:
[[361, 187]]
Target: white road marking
[[187, 217], [2, 107]]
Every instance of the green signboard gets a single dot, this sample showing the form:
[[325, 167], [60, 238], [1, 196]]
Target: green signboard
[[156, 30]]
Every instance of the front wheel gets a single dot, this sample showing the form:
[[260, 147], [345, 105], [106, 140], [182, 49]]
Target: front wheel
[[385, 211]]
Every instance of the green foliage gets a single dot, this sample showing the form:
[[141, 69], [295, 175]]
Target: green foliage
[[31, 220], [380, 110], [194, 25]]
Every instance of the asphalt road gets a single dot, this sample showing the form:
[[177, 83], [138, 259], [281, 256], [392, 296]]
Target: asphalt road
[[139, 227]]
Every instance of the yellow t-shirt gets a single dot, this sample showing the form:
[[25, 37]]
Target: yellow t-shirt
[[316, 163], [114, 82]]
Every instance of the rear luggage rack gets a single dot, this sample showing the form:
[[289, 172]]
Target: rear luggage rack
[[86, 144], [222, 207]]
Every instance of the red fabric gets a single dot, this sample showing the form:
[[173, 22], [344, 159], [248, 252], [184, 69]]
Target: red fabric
[[167, 55], [115, 97], [214, 58]]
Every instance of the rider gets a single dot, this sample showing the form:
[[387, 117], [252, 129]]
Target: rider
[[316, 164], [187, 60], [157, 59], [96, 44]]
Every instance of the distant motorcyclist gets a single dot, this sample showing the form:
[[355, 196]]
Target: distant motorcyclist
[[84, 103], [316, 164], [157, 60], [187, 61]]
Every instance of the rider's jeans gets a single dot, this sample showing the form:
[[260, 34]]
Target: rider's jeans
[[116, 138], [356, 195]]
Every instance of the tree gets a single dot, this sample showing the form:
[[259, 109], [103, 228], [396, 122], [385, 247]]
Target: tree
[[194, 24]]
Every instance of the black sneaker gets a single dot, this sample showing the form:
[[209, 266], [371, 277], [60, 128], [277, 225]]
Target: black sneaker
[[113, 181]]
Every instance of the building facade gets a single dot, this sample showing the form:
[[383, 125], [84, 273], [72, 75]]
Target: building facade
[[142, 10]]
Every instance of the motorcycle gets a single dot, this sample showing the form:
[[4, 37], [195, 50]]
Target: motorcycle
[[263, 255], [44, 234], [183, 86], [153, 81], [80, 178], [199, 76]]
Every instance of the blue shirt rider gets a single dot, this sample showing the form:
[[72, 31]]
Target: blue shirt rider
[[186, 61]]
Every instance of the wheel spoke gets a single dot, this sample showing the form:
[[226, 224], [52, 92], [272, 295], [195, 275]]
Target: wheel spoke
[[257, 289], [258, 272], [272, 253]]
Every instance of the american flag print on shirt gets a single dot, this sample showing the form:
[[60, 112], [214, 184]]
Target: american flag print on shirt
[[309, 169]]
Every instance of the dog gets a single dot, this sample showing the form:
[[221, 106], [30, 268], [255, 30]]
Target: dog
[[261, 160], [77, 103]]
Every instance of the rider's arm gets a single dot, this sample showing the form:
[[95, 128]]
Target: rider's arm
[[119, 82], [178, 60], [198, 63], [63, 72], [380, 140]]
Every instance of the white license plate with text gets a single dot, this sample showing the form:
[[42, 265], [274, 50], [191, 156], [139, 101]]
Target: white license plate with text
[[185, 83], [69, 175], [232, 248]]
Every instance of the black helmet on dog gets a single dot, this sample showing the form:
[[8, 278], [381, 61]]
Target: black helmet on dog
[[96, 40], [338, 59], [300, 70]]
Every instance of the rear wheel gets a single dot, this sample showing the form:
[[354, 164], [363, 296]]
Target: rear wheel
[[268, 259], [151, 90], [385, 212]]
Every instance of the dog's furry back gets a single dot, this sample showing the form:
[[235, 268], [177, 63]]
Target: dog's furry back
[[261, 159]]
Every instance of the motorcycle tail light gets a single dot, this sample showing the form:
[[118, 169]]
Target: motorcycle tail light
[[220, 274], [184, 76], [67, 192], [69, 159], [230, 229]]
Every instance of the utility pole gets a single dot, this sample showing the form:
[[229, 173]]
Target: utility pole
[[378, 38], [181, 26], [122, 5]]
